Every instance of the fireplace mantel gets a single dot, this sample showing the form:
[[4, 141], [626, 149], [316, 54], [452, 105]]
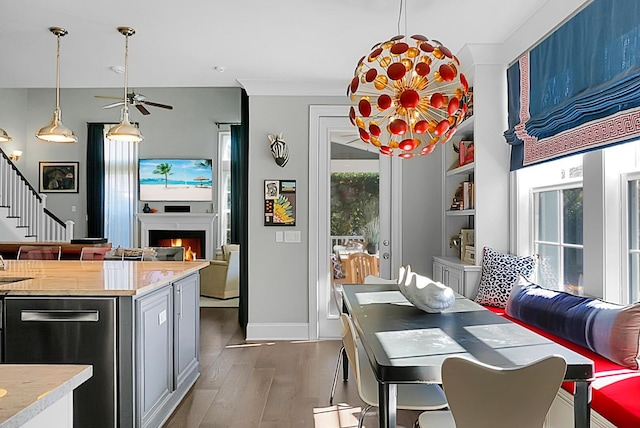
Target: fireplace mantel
[[178, 221]]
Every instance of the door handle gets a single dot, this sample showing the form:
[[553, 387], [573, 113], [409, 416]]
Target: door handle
[[59, 316]]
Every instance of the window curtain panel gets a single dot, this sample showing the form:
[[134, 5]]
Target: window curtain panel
[[95, 180], [120, 191], [579, 89], [239, 203]]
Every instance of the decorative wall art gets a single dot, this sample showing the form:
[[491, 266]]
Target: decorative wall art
[[279, 149], [279, 202], [59, 177]]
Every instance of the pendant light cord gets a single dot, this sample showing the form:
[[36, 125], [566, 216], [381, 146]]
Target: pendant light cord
[[403, 8], [58, 74], [126, 75]]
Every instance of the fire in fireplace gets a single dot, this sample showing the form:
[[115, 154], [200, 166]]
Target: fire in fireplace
[[191, 240]]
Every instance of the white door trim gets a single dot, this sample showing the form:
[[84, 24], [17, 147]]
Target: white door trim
[[322, 119]]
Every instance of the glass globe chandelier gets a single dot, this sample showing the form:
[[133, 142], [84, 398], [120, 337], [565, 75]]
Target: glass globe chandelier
[[408, 95]]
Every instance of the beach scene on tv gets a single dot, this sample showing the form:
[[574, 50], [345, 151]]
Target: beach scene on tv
[[175, 179]]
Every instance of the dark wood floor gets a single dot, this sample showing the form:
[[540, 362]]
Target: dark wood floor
[[280, 384]]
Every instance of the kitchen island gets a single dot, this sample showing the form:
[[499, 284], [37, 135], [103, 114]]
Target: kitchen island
[[137, 324]]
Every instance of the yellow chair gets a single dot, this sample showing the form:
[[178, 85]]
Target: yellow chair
[[39, 252], [359, 266], [221, 279]]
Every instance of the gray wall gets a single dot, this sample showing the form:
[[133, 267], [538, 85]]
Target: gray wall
[[187, 130]]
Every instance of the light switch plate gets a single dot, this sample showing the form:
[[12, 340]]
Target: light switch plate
[[279, 236], [292, 236]]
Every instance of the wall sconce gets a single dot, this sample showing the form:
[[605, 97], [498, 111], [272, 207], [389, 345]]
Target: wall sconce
[[15, 155]]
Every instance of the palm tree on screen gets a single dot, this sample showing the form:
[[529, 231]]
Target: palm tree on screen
[[164, 168]]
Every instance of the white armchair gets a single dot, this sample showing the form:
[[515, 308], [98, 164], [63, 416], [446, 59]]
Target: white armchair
[[221, 278]]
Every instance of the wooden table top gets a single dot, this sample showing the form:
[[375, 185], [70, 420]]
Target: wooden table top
[[91, 278]]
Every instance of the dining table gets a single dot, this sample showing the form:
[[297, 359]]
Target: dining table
[[407, 345]]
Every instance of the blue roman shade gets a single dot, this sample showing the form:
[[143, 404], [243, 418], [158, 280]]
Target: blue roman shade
[[579, 89]]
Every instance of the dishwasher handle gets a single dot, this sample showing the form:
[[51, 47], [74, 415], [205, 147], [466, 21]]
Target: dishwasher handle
[[59, 315]]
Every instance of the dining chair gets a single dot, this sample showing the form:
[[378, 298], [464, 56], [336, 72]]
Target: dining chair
[[93, 253], [39, 252], [411, 396], [359, 266], [483, 396]]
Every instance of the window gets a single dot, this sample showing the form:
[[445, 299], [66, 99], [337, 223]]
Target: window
[[633, 238], [558, 238], [224, 191], [550, 223]]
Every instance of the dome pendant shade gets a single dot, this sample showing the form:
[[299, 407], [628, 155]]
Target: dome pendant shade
[[4, 137], [125, 131], [56, 132]]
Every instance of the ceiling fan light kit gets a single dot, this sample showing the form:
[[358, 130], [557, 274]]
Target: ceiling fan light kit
[[55, 131], [125, 130]]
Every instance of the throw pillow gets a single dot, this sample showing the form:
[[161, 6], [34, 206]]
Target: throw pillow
[[608, 329], [499, 272], [337, 267]]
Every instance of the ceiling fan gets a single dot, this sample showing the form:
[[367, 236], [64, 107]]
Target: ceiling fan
[[137, 100]]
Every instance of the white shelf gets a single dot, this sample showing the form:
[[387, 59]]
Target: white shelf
[[466, 127], [464, 169], [454, 213]]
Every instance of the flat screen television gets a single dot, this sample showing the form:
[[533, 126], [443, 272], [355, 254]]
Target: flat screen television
[[171, 179]]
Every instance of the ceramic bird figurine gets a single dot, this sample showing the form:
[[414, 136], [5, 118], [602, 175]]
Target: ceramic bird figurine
[[424, 293]]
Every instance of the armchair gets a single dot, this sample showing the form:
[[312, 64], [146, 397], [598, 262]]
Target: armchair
[[221, 278]]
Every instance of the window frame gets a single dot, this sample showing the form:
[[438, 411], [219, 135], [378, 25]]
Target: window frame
[[625, 179], [224, 169]]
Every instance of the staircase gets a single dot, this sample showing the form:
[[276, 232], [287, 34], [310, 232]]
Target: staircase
[[23, 212]]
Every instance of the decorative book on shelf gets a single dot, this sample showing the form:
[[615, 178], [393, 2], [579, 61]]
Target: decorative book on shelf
[[465, 152], [464, 198]]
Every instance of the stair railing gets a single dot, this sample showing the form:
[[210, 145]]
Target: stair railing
[[28, 207]]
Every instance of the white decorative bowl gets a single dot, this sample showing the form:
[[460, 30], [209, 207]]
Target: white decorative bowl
[[424, 293]]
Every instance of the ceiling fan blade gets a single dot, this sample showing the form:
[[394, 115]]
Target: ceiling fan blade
[[157, 105], [142, 110], [104, 96], [114, 105]]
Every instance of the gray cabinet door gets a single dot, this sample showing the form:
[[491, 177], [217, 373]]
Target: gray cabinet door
[[186, 328], [154, 354]]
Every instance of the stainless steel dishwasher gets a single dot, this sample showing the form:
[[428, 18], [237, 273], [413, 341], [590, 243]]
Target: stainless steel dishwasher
[[69, 331]]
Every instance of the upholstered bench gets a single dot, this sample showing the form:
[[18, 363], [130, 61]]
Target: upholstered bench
[[615, 390]]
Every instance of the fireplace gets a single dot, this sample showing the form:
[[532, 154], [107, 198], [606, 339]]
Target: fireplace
[[194, 229], [191, 240]]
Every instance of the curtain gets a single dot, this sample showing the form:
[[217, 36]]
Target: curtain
[[95, 180], [579, 89], [120, 191], [240, 201]]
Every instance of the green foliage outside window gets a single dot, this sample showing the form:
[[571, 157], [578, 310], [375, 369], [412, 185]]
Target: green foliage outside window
[[354, 201]]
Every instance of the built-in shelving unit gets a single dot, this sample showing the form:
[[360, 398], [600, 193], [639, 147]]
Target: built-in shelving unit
[[488, 215]]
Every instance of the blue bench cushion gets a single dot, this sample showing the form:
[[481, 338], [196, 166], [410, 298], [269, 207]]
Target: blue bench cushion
[[608, 329]]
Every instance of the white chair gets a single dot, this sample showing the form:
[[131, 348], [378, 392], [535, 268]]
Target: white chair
[[411, 396], [39, 252], [483, 396], [93, 253]]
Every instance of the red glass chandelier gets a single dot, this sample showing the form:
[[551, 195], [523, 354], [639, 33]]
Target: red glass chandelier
[[408, 95]]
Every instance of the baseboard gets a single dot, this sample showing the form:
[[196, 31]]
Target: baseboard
[[292, 331]]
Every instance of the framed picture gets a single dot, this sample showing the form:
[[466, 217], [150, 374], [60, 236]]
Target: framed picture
[[467, 241], [279, 202], [59, 177]]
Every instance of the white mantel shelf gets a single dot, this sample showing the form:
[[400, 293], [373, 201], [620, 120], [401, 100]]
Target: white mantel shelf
[[178, 221]]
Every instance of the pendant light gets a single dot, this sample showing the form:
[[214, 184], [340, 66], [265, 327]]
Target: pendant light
[[56, 132], [125, 130]]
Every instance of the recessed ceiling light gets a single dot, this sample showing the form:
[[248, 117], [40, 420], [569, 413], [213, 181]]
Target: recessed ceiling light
[[219, 68], [118, 69]]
